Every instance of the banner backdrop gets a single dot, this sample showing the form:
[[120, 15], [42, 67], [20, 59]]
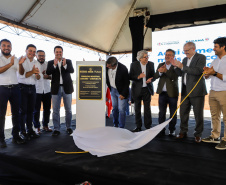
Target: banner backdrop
[[202, 36]]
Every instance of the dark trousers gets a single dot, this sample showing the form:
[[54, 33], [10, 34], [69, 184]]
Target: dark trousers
[[165, 100], [13, 96], [46, 101], [28, 95], [146, 97], [198, 106]]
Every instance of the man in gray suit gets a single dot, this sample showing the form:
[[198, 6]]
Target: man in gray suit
[[191, 69], [168, 91]]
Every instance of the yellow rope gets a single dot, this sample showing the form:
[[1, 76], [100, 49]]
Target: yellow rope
[[188, 95], [59, 152]]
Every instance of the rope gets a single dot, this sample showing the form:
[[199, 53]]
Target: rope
[[188, 94], [60, 152]]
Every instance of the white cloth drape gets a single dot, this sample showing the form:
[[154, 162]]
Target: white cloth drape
[[104, 141]]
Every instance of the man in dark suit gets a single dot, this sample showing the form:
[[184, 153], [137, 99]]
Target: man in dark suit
[[141, 73], [118, 83], [61, 86], [168, 91], [191, 69]]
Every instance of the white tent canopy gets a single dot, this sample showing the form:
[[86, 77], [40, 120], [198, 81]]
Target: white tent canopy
[[101, 25]]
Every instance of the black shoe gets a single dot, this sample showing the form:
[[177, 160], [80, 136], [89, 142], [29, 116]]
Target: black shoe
[[69, 131], [32, 134], [136, 129], [172, 133], [162, 133], [18, 140], [25, 136], [55, 133], [3, 144]]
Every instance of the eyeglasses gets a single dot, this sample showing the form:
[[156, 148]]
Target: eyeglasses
[[146, 57], [187, 50]]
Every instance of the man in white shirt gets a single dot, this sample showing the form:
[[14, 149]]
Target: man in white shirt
[[28, 92], [217, 96], [9, 91], [42, 95]]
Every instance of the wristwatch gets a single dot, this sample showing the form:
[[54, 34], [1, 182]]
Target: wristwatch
[[215, 74]]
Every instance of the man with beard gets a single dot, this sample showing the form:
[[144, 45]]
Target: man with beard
[[42, 95], [217, 100], [28, 92], [9, 91], [61, 87]]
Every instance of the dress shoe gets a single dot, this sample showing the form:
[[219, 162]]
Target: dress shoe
[[38, 130], [3, 144], [161, 133], [136, 129], [32, 134], [25, 136], [55, 133], [18, 140], [181, 136], [69, 131], [172, 133], [198, 139], [47, 129]]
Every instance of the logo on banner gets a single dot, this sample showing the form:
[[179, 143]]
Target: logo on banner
[[168, 43], [198, 40]]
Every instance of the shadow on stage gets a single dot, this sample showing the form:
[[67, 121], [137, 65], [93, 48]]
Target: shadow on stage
[[163, 161]]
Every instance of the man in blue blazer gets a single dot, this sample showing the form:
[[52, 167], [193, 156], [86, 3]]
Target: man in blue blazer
[[118, 83], [141, 74], [191, 70], [61, 86]]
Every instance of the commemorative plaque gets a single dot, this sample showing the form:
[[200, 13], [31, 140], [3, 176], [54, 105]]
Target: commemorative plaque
[[90, 82]]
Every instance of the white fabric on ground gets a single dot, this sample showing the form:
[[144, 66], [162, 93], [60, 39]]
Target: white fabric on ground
[[110, 140]]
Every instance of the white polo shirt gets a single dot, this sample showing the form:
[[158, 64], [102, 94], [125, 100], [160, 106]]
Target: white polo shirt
[[9, 77], [219, 65], [28, 67], [42, 85]]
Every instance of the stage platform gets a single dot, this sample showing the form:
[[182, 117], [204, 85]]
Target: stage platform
[[163, 161]]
